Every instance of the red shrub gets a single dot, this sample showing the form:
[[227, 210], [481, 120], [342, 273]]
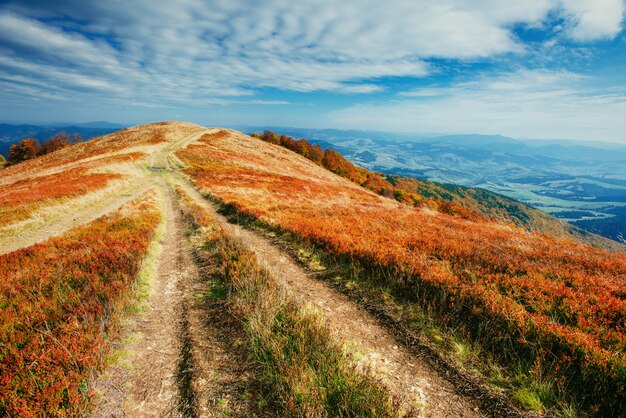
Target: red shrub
[[58, 302]]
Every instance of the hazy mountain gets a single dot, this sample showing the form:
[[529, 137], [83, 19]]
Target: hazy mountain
[[93, 125]]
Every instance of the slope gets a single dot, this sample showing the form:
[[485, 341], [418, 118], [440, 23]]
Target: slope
[[548, 308], [173, 357], [552, 307], [467, 202], [45, 196]]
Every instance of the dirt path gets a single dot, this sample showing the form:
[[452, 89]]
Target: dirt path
[[405, 374], [66, 221], [57, 220], [182, 362], [163, 158], [176, 361]]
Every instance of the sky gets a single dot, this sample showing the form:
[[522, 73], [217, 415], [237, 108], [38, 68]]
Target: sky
[[526, 69]]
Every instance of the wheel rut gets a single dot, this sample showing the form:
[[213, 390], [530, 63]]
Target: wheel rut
[[177, 358], [184, 356], [406, 375]]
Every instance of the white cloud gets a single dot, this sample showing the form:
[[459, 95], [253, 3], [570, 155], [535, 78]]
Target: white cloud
[[117, 56], [189, 49], [595, 19], [525, 103], [29, 37]]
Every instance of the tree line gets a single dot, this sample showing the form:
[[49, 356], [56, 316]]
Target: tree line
[[30, 147], [410, 191]]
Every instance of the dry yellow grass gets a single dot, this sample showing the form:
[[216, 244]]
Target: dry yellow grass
[[52, 201]]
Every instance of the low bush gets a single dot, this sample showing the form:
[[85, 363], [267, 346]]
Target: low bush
[[60, 302]]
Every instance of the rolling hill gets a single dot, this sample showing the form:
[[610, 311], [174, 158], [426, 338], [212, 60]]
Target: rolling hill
[[579, 182], [170, 267], [468, 202]]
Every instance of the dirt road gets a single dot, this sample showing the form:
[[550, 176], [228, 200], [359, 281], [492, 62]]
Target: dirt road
[[407, 375], [177, 360], [177, 357]]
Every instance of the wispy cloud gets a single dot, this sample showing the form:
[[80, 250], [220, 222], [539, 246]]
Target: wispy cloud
[[186, 49], [592, 20], [221, 52]]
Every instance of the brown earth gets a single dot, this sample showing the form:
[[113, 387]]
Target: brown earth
[[180, 354]]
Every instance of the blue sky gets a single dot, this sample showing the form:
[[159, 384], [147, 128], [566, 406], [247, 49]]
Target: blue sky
[[526, 69]]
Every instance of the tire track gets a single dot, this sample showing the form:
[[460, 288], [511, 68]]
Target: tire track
[[181, 354], [406, 375]]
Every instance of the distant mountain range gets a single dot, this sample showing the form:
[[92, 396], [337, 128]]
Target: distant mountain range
[[11, 134], [583, 183]]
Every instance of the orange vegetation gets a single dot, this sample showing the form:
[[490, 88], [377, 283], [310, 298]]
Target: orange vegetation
[[122, 141], [59, 301], [22, 197], [198, 215], [465, 202], [402, 189], [557, 304], [29, 148]]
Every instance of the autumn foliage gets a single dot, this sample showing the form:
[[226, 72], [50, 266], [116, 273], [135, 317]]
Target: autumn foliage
[[30, 148], [556, 305], [125, 141], [302, 370], [405, 191], [19, 199], [24, 150], [58, 142], [60, 302], [471, 203]]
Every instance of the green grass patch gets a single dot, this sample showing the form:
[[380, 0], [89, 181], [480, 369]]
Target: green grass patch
[[529, 398], [305, 372]]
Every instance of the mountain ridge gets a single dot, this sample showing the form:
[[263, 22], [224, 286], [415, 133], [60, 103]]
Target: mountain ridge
[[449, 198]]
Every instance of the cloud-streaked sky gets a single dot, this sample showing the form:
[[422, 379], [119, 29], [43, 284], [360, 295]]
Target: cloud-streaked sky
[[532, 68]]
